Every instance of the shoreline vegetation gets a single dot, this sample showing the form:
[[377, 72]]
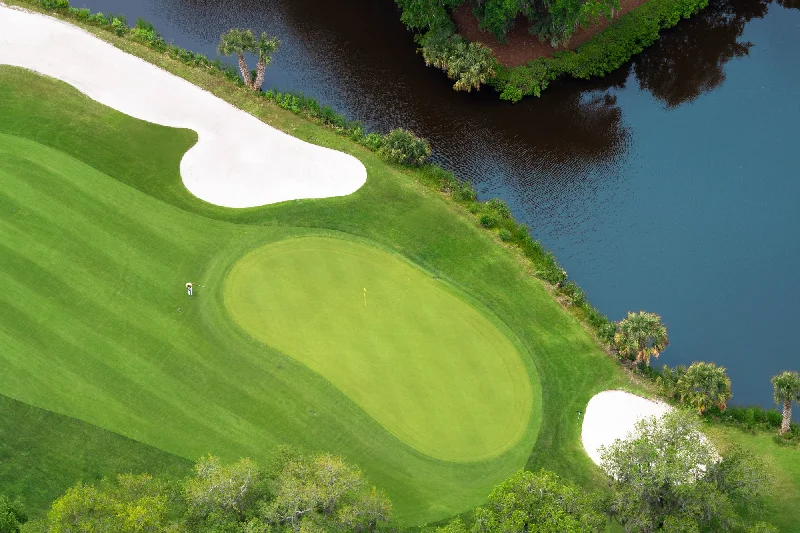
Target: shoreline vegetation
[[493, 215], [472, 64]]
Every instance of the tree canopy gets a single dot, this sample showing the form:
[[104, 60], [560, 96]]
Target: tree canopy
[[704, 385], [668, 477], [296, 493], [540, 502], [237, 42], [554, 21], [641, 336]]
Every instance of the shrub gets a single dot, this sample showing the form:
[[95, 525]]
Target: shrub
[[55, 4], [575, 293], [499, 207], [505, 235], [145, 31], [119, 26], [81, 14], [98, 18], [403, 147], [487, 220], [469, 64], [373, 141], [332, 118], [464, 192]]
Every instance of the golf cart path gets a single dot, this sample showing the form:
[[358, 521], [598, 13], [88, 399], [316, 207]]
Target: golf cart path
[[238, 160], [612, 415]]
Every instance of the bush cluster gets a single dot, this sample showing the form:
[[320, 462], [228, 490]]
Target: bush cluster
[[603, 53], [470, 65]]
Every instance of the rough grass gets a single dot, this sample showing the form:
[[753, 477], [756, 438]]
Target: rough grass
[[783, 465], [43, 453], [101, 239], [432, 369]]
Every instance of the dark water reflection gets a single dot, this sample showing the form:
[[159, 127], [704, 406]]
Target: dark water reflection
[[670, 185]]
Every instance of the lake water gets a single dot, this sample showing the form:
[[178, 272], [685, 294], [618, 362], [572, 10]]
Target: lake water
[[671, 185]]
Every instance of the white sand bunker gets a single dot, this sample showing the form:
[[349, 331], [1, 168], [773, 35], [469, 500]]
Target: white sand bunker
[[238, 161], [612, 415]]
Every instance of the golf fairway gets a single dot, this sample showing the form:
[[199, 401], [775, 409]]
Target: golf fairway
[[425, 364]]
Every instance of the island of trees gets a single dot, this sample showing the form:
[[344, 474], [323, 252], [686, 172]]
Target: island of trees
[[472, 64]]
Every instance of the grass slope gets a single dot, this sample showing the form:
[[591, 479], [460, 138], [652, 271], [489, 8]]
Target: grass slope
[[93, 282], [42, 454], [783, 465], [421, 361]]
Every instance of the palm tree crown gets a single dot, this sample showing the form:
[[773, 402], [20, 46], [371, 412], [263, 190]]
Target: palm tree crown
[[704, 385], [641, 335], [236, 41], [264, 48]]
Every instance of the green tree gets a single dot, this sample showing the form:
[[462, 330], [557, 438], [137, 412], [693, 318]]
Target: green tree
[[264, 48], [529, 501], [219, 493], [325, 493], [668, 477], [704, 385], [130, 504], [641, 336], [425, 14], [786, 387], [12, 515], [497, 16], [236, 42]]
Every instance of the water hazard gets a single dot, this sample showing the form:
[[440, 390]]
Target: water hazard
[[671, 185]]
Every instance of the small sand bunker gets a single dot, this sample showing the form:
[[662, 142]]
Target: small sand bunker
[[612, 415], [238, 160]]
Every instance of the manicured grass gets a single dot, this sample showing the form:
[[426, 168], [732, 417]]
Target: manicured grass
[[429, 367], [42, 454], [98, 237], [783, 465]]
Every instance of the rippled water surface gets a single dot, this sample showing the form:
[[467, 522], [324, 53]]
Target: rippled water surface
[[671, 185]]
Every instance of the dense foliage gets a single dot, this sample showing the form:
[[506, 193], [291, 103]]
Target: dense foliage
[[603, 53], [403, 147], [295, 493], [12, 515], [641, 336], [470, 64], [554, 21], [540, 502], [668, 477]]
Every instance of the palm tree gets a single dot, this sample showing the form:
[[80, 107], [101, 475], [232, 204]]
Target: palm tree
[[264, 48], [704, 385], [238, 41], [787, 390], [641, 336]]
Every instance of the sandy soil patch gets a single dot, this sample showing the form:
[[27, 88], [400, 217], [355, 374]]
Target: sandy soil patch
[[238, 161], [612, 415]]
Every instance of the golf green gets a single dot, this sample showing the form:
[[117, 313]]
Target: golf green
[[428, 366]]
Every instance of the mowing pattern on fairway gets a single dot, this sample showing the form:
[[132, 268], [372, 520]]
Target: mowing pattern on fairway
[[425, 364]]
